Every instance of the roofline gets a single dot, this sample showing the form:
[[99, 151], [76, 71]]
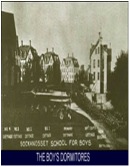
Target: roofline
[[95, 46], [8, 13], [71, 57]]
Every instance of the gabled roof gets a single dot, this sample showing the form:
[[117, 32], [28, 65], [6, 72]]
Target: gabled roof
[[24, 50], [104, 47], [47, 56], [94, 47], [71, 60]]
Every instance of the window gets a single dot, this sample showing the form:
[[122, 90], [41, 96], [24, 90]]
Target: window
[[94, 75], [94, 63], [51, 60], [95, 51], [98, 75], [98, 50], [98, 63]]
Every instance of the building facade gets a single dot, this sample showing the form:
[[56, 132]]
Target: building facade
[[69, 69], [100, 66], [27, 59], [50, 67], [9, 43]]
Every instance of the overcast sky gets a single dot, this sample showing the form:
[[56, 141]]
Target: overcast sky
[[71, 26]]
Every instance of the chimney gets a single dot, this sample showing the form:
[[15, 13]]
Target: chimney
[[47, 50], [100, 36], [21, 42], [72, 54], [52, 50], [68, 54], [30, 43]]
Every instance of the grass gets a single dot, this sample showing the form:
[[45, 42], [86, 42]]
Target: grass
[[111, 119]]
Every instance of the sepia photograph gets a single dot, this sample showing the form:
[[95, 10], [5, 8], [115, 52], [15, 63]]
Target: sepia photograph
[[64, 75]]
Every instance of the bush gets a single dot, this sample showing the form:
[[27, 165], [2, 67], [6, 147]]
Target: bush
[[118, 85]]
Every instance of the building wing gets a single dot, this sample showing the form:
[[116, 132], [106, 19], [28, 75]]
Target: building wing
[[8, 26]]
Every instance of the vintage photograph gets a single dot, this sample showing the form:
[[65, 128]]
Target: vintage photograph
[[64, 75]]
